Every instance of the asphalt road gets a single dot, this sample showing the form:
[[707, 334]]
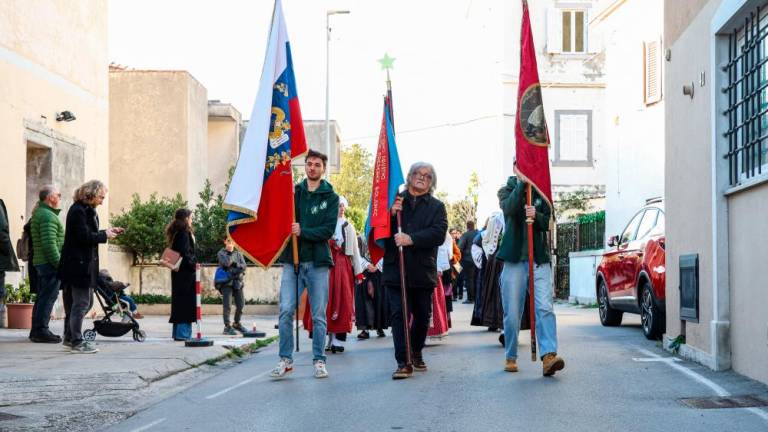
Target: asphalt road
[[614, 380]]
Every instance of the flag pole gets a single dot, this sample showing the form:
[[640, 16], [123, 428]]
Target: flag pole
[[531, 299], [295, 250]]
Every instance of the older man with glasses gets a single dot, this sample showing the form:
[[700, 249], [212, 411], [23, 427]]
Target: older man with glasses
[[424, 224]]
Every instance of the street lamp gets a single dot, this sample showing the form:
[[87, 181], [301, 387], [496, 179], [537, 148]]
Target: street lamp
[[327, 81]]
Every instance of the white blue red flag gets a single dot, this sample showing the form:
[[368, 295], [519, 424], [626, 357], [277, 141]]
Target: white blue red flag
[[260, 197], [387, 179]]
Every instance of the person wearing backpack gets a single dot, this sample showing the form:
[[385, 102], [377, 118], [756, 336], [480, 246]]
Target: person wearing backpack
[[8, 260], [229, 282], [47, 234]]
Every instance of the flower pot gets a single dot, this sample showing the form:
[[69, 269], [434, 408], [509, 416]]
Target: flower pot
[[19, 315]]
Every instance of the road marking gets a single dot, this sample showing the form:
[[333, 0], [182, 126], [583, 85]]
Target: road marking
[[720, 391], [229, 389], [655, 359], [151, 425]]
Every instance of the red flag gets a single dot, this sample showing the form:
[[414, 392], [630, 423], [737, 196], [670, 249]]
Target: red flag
[[531, 135]]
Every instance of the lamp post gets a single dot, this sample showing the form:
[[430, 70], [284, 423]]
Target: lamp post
[[327, 82]]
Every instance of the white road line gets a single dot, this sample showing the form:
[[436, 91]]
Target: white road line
[[720, 391], [149, 426], [229, 389]]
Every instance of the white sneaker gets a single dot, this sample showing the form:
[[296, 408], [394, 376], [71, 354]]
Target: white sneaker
[[320, 370], [284, 367]]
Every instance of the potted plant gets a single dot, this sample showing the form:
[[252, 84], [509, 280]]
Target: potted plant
[[19, 301]]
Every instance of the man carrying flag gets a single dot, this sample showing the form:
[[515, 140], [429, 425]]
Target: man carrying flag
[[262, 216], [526, 201]]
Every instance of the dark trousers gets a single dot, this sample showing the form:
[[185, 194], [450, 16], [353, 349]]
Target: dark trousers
[[227, 292], [469, 273], [77, 303], [420, 307], [47, 293]]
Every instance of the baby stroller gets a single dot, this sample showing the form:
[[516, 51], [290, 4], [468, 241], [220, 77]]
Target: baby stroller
[[108, 292]]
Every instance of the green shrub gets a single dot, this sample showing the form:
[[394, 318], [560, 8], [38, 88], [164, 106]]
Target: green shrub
[[20, 294]]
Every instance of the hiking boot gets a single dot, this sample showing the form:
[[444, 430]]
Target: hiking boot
[[364, 335], [403, 372], [552, 363], [84, 348], [418, 363], [320, 370], [228, 330], [510, 365], [45, 336], [284, 367]]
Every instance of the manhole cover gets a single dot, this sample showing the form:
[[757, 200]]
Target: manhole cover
[[747, 401], [5, 416]]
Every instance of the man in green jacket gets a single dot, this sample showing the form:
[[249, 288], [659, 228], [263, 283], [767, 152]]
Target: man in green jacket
[[317, 209], [47, 239], [513, 251]]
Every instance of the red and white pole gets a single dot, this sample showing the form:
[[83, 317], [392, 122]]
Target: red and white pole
[[199, 299]]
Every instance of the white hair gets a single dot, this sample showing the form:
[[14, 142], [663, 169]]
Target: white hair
[[419, 165]]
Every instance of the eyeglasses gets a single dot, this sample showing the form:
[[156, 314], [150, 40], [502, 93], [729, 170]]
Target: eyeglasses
[[423, 176]]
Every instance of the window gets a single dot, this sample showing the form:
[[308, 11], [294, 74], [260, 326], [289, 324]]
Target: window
[[647, 223], [747, 93], [652, 72], [567, 31], [573, 138], [629, 232]]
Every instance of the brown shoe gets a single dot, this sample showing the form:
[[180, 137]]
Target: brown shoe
[[418, 363], [510, 365], [552, 364], [403, 373]]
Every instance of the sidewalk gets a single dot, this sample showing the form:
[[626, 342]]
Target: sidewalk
[[32, 374]]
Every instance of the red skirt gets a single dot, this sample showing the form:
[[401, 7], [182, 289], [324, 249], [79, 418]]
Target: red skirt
[[438, 324], [341, 295]]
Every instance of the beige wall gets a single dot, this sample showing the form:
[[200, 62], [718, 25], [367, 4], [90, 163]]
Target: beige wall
[[53, 57], [748, 250], [158, 135], [223, 142], [678, 15], [688, 169]]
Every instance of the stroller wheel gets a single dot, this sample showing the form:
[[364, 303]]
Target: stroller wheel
[[139, 335], [89, 335]]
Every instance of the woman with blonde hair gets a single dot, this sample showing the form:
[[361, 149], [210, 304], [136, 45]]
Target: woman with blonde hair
[[183, 295], [79, 263]]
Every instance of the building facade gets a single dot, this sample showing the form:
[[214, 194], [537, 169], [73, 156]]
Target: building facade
[[53, 102], [717, 182]]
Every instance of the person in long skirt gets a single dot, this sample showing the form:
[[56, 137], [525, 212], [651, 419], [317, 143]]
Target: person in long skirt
[[183, 294], [341, 284], [371, 303], [489, 307]]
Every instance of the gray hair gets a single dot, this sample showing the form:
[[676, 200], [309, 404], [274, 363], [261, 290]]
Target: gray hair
[[46, 191], [88, 191], [419, 165]]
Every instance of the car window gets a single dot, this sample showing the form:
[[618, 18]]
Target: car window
[[647, 223], [658, 229], [629, 232]]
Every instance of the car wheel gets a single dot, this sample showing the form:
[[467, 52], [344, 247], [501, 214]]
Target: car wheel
[[609, 317], [650, 316]]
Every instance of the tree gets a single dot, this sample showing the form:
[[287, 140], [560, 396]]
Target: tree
[[356, 217], [210, 224], [473, 192], [355, 179], [459, 212], [569, 205], [144, 224]]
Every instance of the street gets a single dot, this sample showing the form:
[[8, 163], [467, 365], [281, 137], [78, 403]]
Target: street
[[614, 380]]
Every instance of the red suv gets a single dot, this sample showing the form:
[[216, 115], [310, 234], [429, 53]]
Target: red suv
[[632, 274]]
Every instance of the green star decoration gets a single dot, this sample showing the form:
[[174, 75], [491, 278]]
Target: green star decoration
[[386, 62]]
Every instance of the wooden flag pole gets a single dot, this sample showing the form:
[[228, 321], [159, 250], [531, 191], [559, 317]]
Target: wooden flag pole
[[404, 296], [531, 299]]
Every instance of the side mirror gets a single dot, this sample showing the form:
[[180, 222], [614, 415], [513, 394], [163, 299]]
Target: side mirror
[[613, 241]]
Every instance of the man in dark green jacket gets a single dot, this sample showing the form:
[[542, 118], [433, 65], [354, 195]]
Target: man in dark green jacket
[[47, 239], [317, 209], [513, 251]]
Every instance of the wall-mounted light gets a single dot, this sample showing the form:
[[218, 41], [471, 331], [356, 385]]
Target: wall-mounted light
[[66, 116], [688, 90]]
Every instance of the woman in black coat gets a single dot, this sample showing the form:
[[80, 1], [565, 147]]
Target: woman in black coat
[[79, 263], [183, 295]]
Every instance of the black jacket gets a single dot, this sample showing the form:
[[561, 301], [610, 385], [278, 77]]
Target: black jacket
[[7, 255], [424, 219], [465, 245], [81, 239], [183, 294]]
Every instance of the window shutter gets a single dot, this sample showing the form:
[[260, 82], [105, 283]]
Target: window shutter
[[554, 31], [652, 75]]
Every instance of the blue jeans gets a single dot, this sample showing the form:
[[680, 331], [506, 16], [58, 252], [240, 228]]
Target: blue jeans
[[315, 279], [47, 293], [514, 284], [182, 331], [131, 303]]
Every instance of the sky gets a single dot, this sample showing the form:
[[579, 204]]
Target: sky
[[447, 76]]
